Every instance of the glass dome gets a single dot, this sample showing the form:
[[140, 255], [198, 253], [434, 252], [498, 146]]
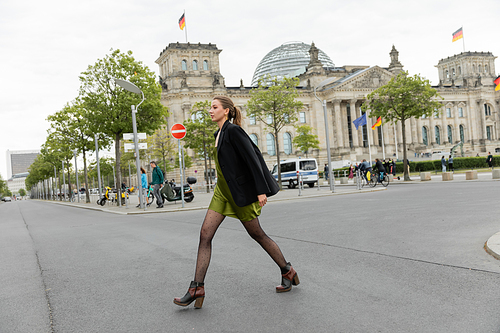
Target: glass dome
[[289, 59]]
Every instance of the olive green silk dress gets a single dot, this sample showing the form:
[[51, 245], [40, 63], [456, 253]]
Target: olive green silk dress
[[223, 202]]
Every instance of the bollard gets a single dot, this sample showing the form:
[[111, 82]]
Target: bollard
[[496, 174]]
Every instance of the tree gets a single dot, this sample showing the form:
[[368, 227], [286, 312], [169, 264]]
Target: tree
[[200, 136], [402, 98], [108, 106], [22, 192], [161, 146], [274, 103], [305, 140], [3, 185], [73, 127]]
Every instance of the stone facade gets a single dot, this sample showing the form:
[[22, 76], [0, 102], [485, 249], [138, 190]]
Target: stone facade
[[190, 73]]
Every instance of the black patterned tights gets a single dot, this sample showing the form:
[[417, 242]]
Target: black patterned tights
[[211, 224]]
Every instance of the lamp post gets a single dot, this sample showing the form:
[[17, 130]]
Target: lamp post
[[129, 86], [330, 172], [64, 180], [76, 174]]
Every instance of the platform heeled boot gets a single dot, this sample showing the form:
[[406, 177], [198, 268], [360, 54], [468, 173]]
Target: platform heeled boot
[[288, 279], [196, 292]]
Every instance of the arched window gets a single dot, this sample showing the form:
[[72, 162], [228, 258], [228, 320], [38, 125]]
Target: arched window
[[438, 136], [459, 70], [487, 110], [462, 136], [486, 68], [205, 65], [424, 136], [287, 143], [271, 148], [184, 65], [479, 68], [453, 72], [450, 134], [254, 139], [195, 65], [447, 74]]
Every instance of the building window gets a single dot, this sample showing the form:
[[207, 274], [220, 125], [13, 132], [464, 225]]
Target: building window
[[436, 114], [488, 132], [302, 116], [424, 136], [479, 68], [448, 112], [349, 126], [462, 137], [450, 134], [447, 74], [254, 139], [205, 65], [487, 110], [184, 65], [459, 70], [473, 68], [424, 116], [453, 72], [271, 149], [438, 136], [195, 65], [287, 143], [252, 120], [486, 68], [461, 112]]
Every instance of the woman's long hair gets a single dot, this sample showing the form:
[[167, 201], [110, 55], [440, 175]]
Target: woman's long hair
[[142, 170], [234, 112]]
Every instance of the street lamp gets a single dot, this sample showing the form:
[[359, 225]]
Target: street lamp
[[129, 86], [76, 173], [323, 102]]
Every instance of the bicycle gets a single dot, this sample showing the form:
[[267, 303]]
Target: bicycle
[[375, 179]]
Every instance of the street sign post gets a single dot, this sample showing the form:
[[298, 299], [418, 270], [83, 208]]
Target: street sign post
[[130, 136], [179, 132]]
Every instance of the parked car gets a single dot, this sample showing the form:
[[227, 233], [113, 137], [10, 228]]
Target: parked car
[[7, 199]]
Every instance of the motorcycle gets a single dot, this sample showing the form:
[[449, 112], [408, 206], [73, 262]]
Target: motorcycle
[[172, 192], [108, 195]]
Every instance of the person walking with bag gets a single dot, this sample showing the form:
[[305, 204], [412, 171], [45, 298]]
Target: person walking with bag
[[243, 185], [157, 182]]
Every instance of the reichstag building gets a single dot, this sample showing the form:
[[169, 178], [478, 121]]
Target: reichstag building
[[190, 73]]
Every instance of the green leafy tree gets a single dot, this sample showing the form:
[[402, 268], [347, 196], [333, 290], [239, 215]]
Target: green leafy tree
[[305, 140], [108, 106], [22, 192], [274, 103], [200, 136], [402, 98], [71, 124], [161, 147], [3, 185]]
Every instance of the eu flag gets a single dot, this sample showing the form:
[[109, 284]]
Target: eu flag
[[360, 121]]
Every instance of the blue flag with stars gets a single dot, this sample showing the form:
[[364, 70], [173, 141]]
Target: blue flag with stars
[[360, 121]]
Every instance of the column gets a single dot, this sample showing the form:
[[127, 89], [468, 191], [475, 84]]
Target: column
[[444, 132], [456, 124], [354, 115], [338, 123]]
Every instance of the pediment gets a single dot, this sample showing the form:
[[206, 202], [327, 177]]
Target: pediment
[[370, 78]]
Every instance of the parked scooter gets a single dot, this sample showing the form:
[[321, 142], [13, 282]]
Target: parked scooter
[[172, 192], [112, 194]]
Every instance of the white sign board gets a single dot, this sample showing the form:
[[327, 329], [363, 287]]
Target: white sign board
[[130, 146], [130, 136]]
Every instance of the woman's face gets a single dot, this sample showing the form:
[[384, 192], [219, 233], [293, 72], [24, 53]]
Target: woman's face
[[217, 112]]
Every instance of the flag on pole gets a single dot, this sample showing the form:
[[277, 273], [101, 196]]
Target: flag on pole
[[182, 22], [497, 83], [360, 121], [457, 35], [378, 123]]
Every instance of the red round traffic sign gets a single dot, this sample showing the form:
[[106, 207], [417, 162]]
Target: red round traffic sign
[[178, 131]]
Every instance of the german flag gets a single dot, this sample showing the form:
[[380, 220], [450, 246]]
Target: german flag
[[497, 83], [457, 35], [378, 123], [182, 22]]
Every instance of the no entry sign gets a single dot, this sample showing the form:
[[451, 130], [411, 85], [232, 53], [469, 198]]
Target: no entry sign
[[178, 131]]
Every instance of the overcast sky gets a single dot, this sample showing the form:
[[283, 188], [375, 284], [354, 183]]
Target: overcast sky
[[45, 45]]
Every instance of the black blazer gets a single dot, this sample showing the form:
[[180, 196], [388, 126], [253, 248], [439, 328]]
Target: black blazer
[[243, 166]]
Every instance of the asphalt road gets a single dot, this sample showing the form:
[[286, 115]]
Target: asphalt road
[[409, 259]]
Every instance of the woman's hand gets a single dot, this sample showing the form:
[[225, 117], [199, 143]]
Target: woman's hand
[[262, 199]]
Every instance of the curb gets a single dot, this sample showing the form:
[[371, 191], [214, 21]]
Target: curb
[[492, 246]]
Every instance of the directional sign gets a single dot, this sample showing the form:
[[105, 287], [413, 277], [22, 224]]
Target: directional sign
[[130, 146], [178, 131], [130, 136]]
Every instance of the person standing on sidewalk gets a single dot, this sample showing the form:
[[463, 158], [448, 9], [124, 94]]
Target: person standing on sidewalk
[[489, 160], [450, 164], [243, 185], [144, 184], [443, 163], [157, 183]]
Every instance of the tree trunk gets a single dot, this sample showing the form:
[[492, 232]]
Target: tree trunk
[[87, 195], [118, 169], [278, 158], [60, 186], [405, 163], [69, 180]]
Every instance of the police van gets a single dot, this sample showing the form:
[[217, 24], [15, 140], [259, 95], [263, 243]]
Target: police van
[[308, 168]]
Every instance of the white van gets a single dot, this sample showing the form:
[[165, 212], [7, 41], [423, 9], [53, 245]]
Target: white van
[[308, 168]]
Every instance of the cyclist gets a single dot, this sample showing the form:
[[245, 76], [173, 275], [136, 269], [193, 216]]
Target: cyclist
[[380, 169], [364, 167]]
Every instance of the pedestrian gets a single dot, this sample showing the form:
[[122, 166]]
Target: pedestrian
[[489, 160], [325, 171], [243, 186], [351, 172], [157, 181], [450, 164], [443, 163], [144, 184]]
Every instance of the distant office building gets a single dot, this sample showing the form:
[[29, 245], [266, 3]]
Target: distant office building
[[17, 182], [19, 161]]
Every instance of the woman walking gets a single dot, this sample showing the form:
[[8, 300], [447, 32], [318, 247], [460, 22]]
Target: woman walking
[[243, 185]]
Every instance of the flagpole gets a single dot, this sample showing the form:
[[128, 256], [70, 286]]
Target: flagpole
[[463, 37], [185, 26], [382, 132], [396, 140], [368, 137]]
